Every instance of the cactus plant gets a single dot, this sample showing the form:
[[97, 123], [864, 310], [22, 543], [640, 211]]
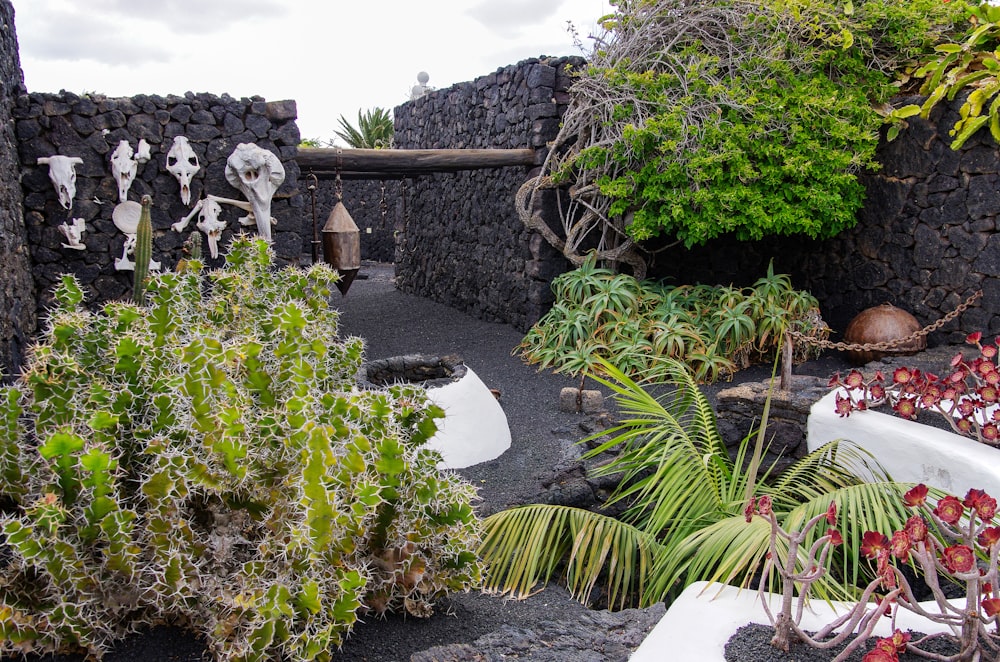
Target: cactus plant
[[143, 251], [208, 458], [196, 246]]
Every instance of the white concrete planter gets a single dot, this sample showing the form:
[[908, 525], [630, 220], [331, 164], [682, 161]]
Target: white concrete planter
[[474, 428], [909, 451], [704, 617]]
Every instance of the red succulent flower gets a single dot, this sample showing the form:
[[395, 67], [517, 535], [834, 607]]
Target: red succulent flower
[[896, 643], [877, 392], [916, 529], [843, 405], [991, 607], [989, 393], [984, 505], [834, 380], [992, 378], [879, 654], [989, 537], [957, 360], [958, 559], [854, 379], [831, 513], [872, 543], [987, 588], [907, 408], [901, 375], [964, 424], [974, 338], [949, 510], [748, 511], [835, 538], [990, 432], [988, 351], [900, 546], [764, 505], [916, 496]]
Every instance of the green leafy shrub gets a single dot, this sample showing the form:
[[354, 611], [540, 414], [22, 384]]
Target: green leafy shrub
[[971, 64], [599, 314], [208, 460], [749, 118]]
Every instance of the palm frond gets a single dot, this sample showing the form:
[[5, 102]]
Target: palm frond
[[729, 550], [673, 463], [523, 547]]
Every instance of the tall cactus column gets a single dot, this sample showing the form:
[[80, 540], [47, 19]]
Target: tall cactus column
[[143, 251]]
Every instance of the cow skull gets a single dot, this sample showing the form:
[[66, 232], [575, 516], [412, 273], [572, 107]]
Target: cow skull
[[123, 167], [209, 223], [182, 163], [62, 172], [257, 173]]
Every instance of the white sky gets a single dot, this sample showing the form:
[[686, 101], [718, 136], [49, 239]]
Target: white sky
[[333, 57]]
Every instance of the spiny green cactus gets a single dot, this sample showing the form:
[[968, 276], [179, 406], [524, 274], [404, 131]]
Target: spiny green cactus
[[143, 251], [195, 245], [208, 458]]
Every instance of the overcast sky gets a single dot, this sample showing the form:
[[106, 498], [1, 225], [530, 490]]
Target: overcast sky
[[333, 57]]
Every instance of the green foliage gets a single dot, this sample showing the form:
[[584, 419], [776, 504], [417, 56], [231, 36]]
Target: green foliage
[[636, 324], [143, 251], [207, 459], [685, 499], [970, 64], [374, 130], [746, 118]]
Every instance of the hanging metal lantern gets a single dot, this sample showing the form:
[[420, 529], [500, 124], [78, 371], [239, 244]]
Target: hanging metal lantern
[[342, 246]]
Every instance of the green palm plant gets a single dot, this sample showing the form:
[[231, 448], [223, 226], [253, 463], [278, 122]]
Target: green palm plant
[[685, 496], [374, 130]]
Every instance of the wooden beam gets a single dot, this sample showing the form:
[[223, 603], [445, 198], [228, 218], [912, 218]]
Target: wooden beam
[[324, 162]]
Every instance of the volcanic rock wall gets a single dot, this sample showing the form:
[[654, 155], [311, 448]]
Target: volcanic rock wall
[[91, 127], [463, 243], [17, 290]]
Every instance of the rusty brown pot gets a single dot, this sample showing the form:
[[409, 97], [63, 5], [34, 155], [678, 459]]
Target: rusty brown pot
[[884, 323]]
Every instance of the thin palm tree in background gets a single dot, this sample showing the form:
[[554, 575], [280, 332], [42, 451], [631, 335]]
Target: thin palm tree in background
[[374, 130]]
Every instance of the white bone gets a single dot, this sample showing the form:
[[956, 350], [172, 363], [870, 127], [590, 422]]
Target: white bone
[[74, 234], [182, 163], [142, 152], [257, 173], [62, 173], [209, 223], [123, 263], [182, 224], [123, 167]]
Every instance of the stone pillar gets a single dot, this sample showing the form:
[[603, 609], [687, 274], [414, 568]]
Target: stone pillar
[[17, 290]]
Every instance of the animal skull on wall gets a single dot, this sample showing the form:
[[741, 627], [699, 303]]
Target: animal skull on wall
[[123, 167], [73, 231], [182, 163], [62, 172], [257, 173], [208, 212]]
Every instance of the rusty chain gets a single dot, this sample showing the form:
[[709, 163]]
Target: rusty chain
[[889, 345]]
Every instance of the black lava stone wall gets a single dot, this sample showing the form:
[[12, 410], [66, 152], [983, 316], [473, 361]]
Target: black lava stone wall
[[91, 126], [17, 289], [925, 240], [463, 243]]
